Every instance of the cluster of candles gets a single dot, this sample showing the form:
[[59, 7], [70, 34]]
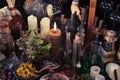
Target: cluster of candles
[[54, 34], [44, 26]]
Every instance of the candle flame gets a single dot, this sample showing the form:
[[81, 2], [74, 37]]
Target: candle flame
[[31, 15], [55, 26]]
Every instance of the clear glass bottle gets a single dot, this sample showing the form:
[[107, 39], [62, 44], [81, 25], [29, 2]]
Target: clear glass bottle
[[95, 53], [78, 54], [68, 45]]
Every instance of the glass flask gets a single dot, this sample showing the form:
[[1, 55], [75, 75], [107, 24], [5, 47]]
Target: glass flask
[[95, 51]]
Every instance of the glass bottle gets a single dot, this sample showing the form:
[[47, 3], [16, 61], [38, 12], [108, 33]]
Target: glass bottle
[[16, 19], [96, 44], [95, 52], [63, 35], [15, 22], [78, 55], [68, 45], [94, 58]]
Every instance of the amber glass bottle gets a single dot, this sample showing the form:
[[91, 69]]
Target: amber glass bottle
[[15, 23]]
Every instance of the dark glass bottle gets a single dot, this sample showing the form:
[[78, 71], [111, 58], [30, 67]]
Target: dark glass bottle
[[14, 23]]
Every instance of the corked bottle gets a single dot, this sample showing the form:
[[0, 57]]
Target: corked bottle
[[16, 20]]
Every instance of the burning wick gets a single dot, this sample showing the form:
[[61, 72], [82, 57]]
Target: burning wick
[[55, 27]]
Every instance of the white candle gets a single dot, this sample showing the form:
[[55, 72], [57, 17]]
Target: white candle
[[32, 23], [45, 26]]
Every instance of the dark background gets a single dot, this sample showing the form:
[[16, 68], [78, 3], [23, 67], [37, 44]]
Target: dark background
[[66, 4]]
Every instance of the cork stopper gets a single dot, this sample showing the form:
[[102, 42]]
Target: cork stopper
[[11, 4]]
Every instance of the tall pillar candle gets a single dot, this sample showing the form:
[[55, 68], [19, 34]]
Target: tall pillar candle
[[45, 26], [32, 24], [55, 38]]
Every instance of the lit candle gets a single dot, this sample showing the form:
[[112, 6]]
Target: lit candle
[[55, 32], [32, 24], [45, 26], [55, 38]]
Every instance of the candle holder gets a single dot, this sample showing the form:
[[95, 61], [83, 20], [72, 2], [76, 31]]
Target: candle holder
[[55, 39]]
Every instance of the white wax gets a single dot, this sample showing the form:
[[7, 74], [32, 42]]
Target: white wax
[[32, 23], [45, 26]]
